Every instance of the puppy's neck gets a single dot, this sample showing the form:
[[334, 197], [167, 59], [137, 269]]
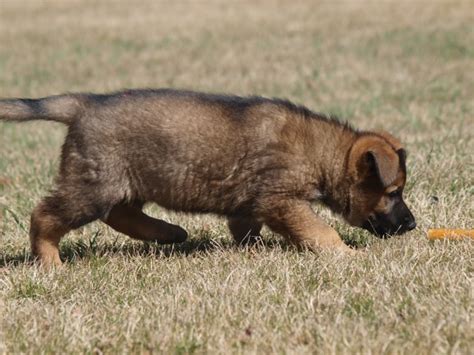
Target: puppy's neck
[[331, 164]]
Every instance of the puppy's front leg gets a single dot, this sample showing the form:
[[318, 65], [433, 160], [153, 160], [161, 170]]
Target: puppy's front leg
[[295, 220], [245, 231]]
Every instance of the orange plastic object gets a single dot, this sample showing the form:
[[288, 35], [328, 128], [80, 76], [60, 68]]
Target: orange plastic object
[[434, 234]]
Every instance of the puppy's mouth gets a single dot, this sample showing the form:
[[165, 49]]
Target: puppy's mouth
[[372, 226], [382, 230]]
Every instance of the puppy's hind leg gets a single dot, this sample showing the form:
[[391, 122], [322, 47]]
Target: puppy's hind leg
[[46, 230], [130, 220], [52, 218]]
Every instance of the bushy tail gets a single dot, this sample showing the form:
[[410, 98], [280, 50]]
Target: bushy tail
[[61, 108]]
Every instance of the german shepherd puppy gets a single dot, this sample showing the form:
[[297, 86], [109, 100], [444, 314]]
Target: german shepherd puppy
[[252, 159]]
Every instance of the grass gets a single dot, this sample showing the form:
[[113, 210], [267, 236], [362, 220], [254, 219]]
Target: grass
[[405, 66]]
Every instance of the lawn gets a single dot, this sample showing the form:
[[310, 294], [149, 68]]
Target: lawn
[[406, 67]]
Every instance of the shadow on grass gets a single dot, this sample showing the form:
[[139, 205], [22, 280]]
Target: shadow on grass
[[72, 251], [15, 260]]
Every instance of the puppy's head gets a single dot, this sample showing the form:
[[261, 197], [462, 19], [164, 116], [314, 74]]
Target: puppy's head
[[377, 171]]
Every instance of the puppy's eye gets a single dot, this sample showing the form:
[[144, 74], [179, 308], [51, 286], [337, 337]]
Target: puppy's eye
[[394, 193]]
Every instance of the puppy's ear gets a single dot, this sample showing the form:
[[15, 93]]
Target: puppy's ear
[[397, 145], [383, 164], [373, 156], [402, 156]]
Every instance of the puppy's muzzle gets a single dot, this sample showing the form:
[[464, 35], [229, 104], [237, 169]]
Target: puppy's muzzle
[[387, 225]]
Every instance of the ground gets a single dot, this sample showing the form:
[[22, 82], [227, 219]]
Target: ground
[[407, 67]]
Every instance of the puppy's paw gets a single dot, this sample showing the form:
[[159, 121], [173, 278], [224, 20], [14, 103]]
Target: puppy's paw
[[179, 235], [350, 251]]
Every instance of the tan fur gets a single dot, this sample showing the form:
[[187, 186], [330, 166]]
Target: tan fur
[[255, 160]]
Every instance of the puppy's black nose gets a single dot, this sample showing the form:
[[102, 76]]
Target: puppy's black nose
[[411, 225]]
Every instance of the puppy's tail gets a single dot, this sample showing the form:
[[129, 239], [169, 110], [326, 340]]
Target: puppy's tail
[[61, 108]]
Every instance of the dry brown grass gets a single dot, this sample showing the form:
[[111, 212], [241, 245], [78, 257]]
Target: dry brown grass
[[407, 67]]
